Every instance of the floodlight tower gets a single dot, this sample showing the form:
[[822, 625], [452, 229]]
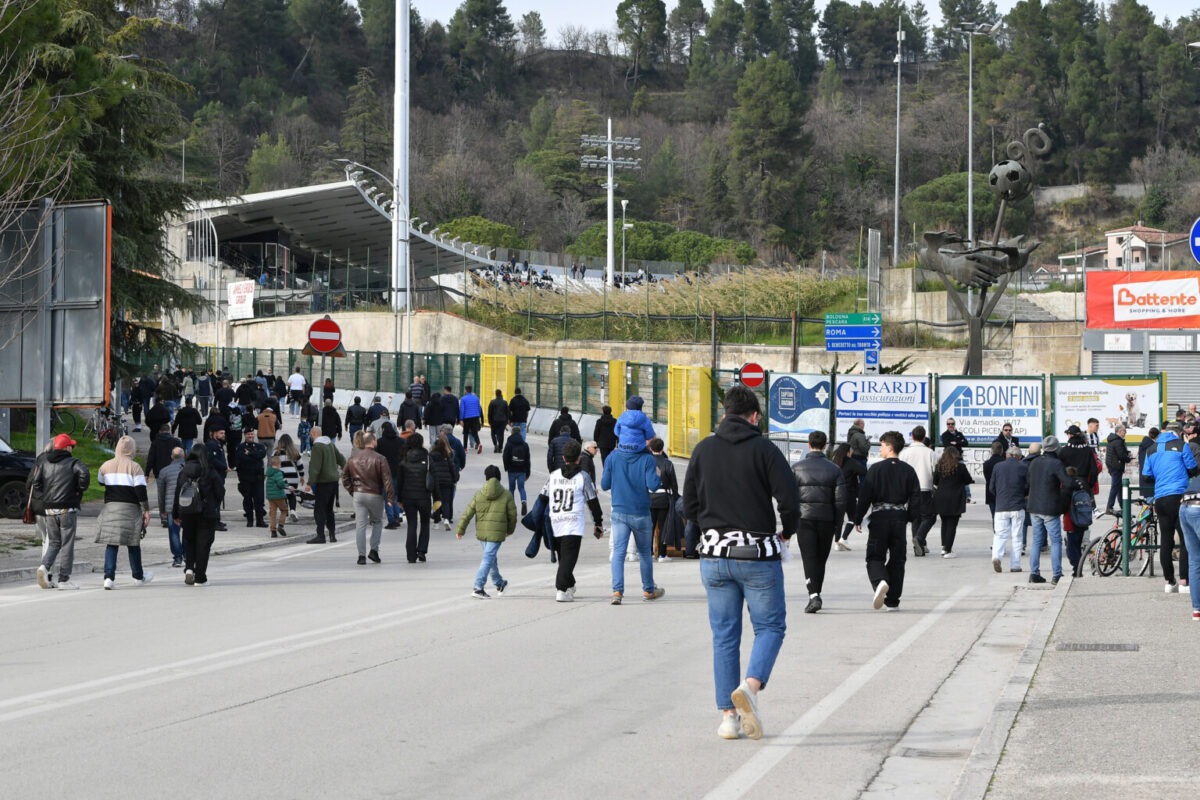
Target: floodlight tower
[[611, 163]]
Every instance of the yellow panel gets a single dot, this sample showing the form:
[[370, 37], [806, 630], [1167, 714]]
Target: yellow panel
[[617, 386], [689, 408], [496, 372]]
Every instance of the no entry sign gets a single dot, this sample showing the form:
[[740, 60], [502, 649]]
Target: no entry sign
[[324, 336], [752, 375]]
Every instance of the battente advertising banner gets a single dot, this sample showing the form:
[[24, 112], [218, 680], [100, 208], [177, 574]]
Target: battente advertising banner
[[1124, 300]]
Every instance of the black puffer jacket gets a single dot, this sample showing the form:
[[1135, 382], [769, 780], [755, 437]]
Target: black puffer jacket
[[211, 491], [554, 458], [444, 470], [1079, 454], [823, 490], [412, 476], [61, 479], [1116, 453]]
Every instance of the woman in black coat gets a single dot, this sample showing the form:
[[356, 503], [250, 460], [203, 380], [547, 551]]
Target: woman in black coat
[[414, 494], [445, 476], [331, 421], [950, 479], [604, 434], [853, 471]]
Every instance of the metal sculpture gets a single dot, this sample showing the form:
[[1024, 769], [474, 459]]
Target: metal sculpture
[[985, 265]]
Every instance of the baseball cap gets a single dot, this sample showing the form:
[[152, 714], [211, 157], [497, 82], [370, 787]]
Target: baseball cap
[[62, 442], [1074, 430]]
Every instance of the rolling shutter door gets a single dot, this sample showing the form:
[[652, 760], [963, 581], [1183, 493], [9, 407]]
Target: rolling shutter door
[[1183, 376], [1117, 363]]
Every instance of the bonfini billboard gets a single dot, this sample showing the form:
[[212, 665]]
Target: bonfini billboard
[[981, 405], [883, 402]]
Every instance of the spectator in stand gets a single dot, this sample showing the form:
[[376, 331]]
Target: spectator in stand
[[497, 417], [604, 434], [518, 411]]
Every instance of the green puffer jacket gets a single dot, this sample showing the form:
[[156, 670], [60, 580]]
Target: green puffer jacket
[[495, 512]]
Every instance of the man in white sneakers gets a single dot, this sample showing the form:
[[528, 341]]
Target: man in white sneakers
[[60, 480]]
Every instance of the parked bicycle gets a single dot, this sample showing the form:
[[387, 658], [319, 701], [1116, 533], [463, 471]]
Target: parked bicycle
[[106, 425], [1103, 554]]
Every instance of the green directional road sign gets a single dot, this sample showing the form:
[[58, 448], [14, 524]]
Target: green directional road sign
[[854, 319]]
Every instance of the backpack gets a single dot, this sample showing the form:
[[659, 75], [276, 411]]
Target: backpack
[[1081, 508], [190, 501]]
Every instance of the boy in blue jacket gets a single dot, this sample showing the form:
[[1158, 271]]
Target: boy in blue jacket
[[634, 429]]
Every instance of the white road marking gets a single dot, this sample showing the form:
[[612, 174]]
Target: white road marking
[[750, 773]]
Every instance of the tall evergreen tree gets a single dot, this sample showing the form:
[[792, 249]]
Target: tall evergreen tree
[[366, 135], [642, 26]]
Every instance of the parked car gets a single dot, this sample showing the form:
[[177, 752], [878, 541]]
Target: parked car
[[15, 466]]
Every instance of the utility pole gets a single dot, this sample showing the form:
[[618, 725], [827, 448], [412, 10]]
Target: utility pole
[[610, 163]]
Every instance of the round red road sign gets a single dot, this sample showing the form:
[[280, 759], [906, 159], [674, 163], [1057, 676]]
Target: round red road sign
[[752, 375], [324, 335]]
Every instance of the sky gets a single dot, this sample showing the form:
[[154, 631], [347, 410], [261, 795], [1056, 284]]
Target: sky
[[596, 15]]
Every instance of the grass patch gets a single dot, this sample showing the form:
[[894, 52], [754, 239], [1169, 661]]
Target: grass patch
[[89, 451]]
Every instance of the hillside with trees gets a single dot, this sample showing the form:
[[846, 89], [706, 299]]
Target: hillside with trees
[[763, 123]]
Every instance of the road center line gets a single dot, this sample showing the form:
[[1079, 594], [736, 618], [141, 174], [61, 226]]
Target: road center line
[[750, 773]]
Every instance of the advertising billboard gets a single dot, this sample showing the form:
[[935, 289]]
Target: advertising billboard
[[981, 406], [1123, 300], [883, 402], [1135, 402], [241, 300], [799, 403]]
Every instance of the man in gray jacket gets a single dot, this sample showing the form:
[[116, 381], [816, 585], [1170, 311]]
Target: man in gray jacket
[[823, 498], [168, 479], [1010, 484]]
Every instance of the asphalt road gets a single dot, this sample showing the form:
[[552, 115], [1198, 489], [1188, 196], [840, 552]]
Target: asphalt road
[[296, 672]]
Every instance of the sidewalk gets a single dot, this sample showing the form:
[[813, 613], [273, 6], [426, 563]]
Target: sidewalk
[[1107, 712]]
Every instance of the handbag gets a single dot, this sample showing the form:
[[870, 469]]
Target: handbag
[[28, 516]]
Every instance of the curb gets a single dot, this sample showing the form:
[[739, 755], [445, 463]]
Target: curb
[[976, 776], [20, 574]]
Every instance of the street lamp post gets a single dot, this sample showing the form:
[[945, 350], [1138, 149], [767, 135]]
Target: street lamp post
[[896, 200], [972, 29]]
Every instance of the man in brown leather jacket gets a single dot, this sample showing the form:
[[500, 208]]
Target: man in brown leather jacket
[[369, 480]]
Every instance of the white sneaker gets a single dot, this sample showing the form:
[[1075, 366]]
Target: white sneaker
[[948, 555], [447, 523], [571, 592], [663, 558], [293, 518], [43, 577], [730, 727], [840, 544], [108, 583], [564, 597], [880, 592], [147, 576], [67, 585], [746, 702], [1171, 588], [189, 577]]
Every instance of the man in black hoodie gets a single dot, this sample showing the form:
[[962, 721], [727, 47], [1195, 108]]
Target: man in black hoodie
[[518, 411], [731, 481], [605, 433]]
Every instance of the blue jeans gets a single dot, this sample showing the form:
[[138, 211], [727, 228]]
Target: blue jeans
[[393, 509], [1189, 523], [517, 479], [488, 566], [1043, 523], [172, 407], [135, 561], [760, 584], [642, 528], [521, 427], [187, 446], [175, 540]]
